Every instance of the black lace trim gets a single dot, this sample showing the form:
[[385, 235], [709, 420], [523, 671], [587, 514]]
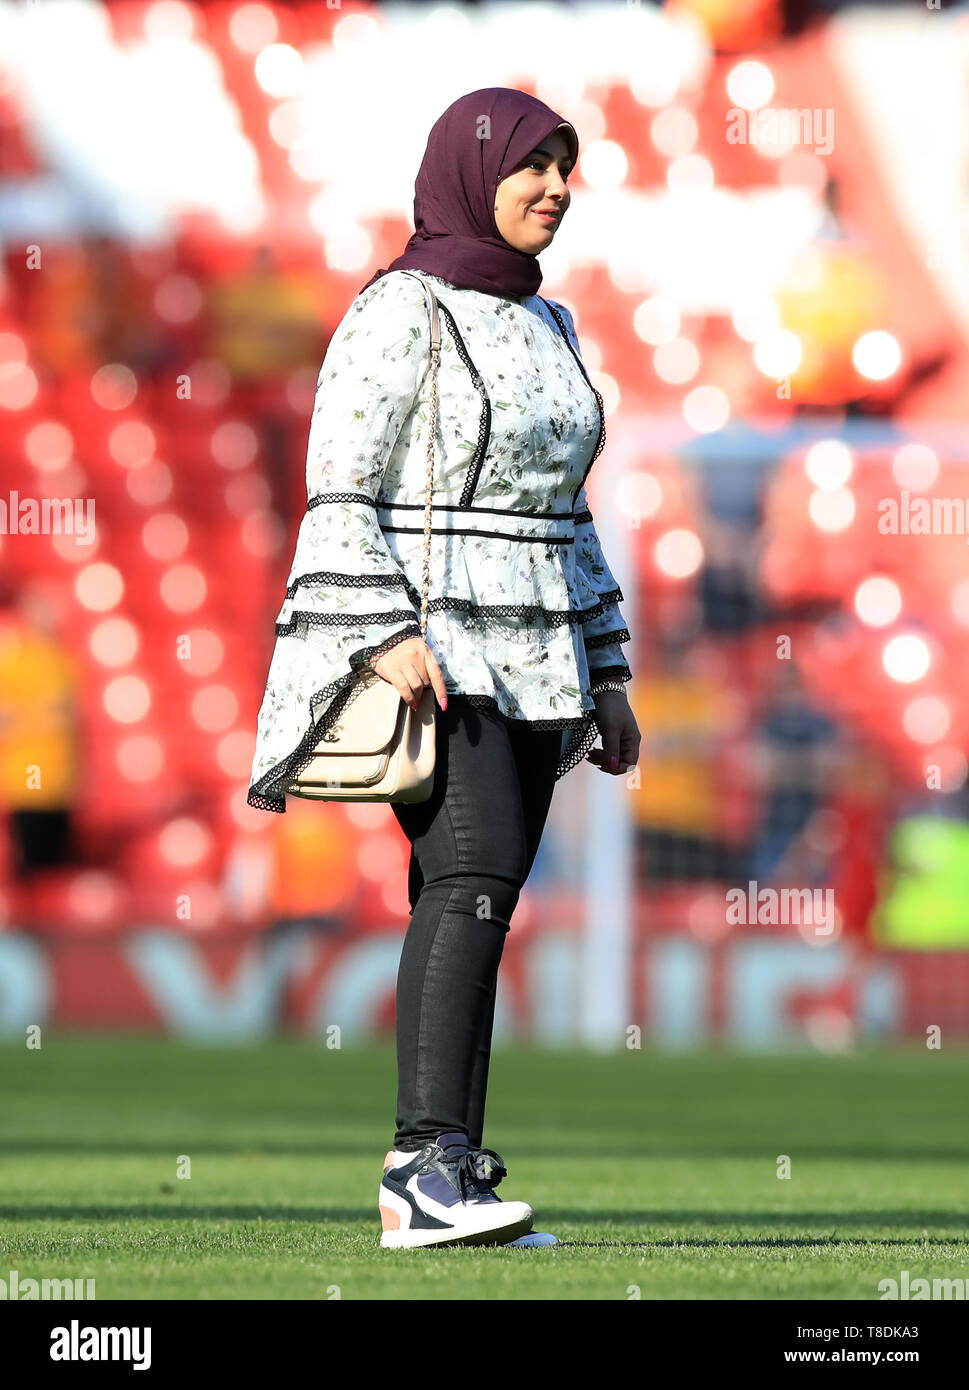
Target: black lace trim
[[484, 420], [578, 745], [600, 442], [266, 794], [531, 612], [307, 619], [610, 673], [606, 639], [397, 580], [580, 518], [612, 596], [362, 497], [474, 612]]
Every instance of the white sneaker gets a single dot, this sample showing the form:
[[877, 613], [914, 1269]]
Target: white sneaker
[[444, 1195]]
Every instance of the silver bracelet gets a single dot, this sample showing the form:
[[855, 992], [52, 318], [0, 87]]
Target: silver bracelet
[[607, 685]]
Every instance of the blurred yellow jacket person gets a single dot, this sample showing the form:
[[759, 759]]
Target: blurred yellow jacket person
[[38, 743]]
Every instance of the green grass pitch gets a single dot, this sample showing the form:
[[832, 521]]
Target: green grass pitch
[[657, 1171]]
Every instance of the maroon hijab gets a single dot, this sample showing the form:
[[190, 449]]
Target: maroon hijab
[[456, 236]]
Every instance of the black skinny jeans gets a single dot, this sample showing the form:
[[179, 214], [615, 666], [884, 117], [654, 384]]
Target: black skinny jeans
[[472, 847]]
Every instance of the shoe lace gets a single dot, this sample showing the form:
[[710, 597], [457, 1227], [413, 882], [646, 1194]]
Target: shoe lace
[[478, 1172]]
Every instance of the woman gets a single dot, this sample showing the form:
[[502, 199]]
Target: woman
[[524, 635]]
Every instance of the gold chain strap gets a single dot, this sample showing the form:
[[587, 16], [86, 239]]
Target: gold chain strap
[[426, 576], [432, 430]]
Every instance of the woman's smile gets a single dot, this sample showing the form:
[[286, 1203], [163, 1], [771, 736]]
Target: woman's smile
[[542, 174]]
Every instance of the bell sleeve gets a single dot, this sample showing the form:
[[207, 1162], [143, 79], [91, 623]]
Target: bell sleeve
[[605, 632], [347, 600]]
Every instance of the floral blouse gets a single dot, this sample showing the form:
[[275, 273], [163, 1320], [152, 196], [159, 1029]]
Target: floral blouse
[[523, 610]]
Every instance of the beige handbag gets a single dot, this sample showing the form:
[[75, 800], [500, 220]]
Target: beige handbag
[[380, 749]]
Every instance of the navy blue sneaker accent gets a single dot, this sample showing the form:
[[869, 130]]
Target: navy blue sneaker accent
[[459, 1173]]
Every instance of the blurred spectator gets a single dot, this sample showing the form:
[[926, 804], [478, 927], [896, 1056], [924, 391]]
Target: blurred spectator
[[266, 320], [61, 304], [87, 306], [314, 876], [729, 588], [266, 324], [861, 810], [131, 330], [925, 903], [800, 752], [38, 732], [679, 707]]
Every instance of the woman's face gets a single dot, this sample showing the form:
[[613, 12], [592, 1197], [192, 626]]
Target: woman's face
[[535, 187]]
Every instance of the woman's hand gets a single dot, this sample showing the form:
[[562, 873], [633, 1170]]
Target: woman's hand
[[620, 734], [409, 667]]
